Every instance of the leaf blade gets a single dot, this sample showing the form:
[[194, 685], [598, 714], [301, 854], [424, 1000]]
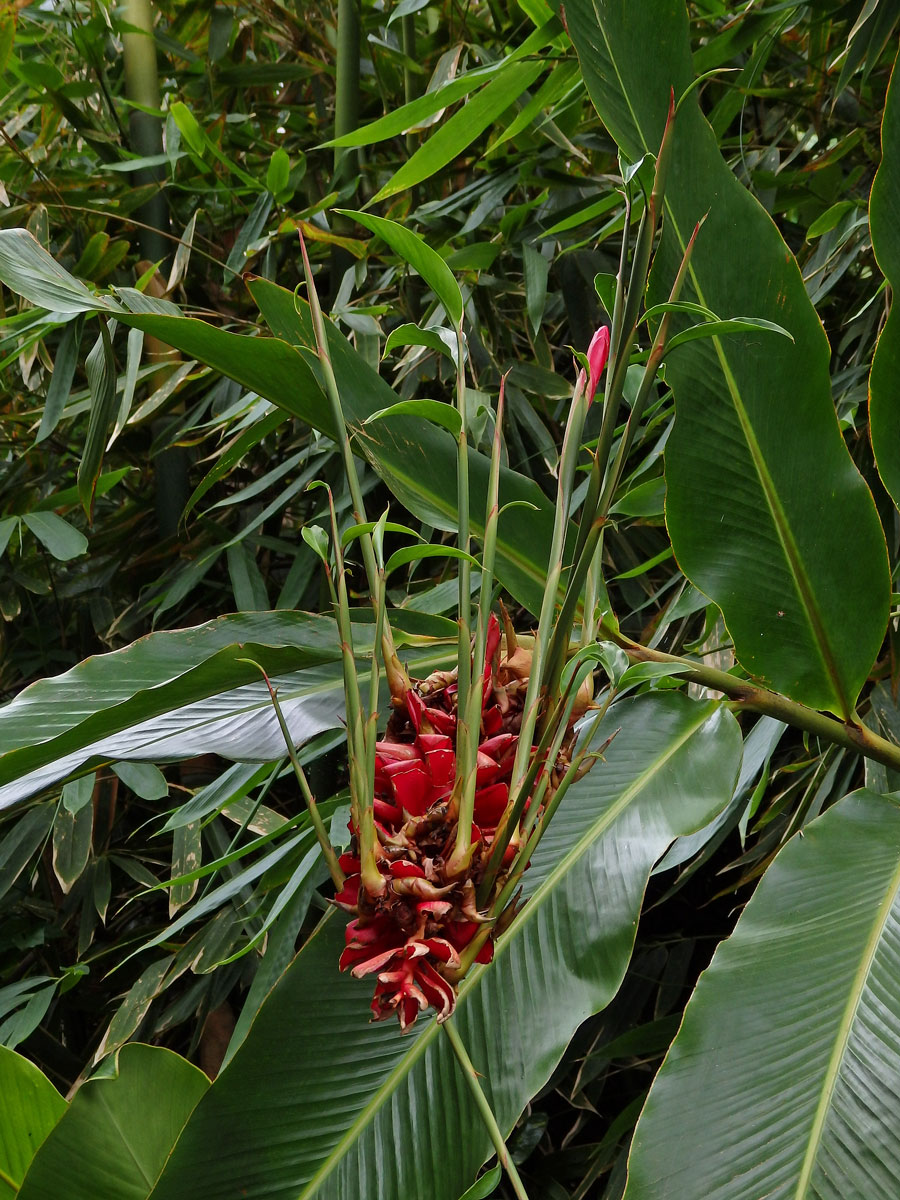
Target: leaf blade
[[736, 457], [327, 1135], [812, 971]]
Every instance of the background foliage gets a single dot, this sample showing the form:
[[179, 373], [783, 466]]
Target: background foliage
[[186, 500]]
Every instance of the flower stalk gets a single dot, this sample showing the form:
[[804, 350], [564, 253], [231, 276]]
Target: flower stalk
[[487, 1115]]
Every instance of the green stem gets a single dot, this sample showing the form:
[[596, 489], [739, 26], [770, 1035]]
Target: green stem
[[408, 35], [657, 352], [537, 682], [471, 1077], [142, 86], [350, 473], [466, 738], [346, 100], [315, 816], [759, 699]]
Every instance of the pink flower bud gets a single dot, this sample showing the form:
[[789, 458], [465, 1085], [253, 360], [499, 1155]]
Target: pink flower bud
[[598, 352]]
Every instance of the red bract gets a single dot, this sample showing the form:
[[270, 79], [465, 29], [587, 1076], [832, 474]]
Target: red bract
[[411, 934], [598, 352]]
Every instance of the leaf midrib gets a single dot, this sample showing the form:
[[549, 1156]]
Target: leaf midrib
[[844, 1031], [782, 527], [629, 793]]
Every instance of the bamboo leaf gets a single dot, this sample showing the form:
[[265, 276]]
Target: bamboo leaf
[[419, 110], [27, 268], [100, 367], [60, 538], [460, 130], [415, 251]]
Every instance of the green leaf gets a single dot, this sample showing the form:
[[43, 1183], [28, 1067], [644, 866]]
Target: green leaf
[[29, 1108], [417, 461], [21, 841], [27, 268], [173, 695], [432, 410], [719, 328], [249, 232], [407, 116], [60, 538], [410, 334], [189, 127], [144, 779], [409, 554], [884, 223], [7, 525], [278, 172], [536, 270], [72, 832], [484, 1187], [61, 380], [100, 367], [267, 366], [757, 471], [354, 531], [78, 792], [416, 252], [118, 1133], [459, 131], [317, 539], [829, 219], [783, 1078], [670, 768]]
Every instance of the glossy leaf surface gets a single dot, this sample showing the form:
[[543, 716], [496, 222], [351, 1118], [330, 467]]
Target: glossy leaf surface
[[766, 511], [313, 1105], [30, 1106], [117, 1133], [171, 695], [783, 1079], [418, 461]]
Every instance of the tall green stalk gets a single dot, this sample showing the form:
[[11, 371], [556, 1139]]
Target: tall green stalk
[[346, 99], [142, 87]]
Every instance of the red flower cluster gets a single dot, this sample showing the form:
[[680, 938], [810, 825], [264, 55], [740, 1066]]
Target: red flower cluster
[[412, 931]]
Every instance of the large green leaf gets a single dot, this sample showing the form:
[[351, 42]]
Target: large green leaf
[[117, 1133], [172, 695], [418, 461], [318, 1102], [767, 513], [783, 1080], [884, 223], [29, 1108]]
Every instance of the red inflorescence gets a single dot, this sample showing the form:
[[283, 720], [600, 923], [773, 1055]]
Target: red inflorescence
[[412, 932]]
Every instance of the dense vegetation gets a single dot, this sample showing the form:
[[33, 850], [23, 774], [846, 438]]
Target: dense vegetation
[[158, 867]]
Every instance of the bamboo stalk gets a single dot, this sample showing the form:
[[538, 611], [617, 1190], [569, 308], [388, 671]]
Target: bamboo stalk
[[142, 86]]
